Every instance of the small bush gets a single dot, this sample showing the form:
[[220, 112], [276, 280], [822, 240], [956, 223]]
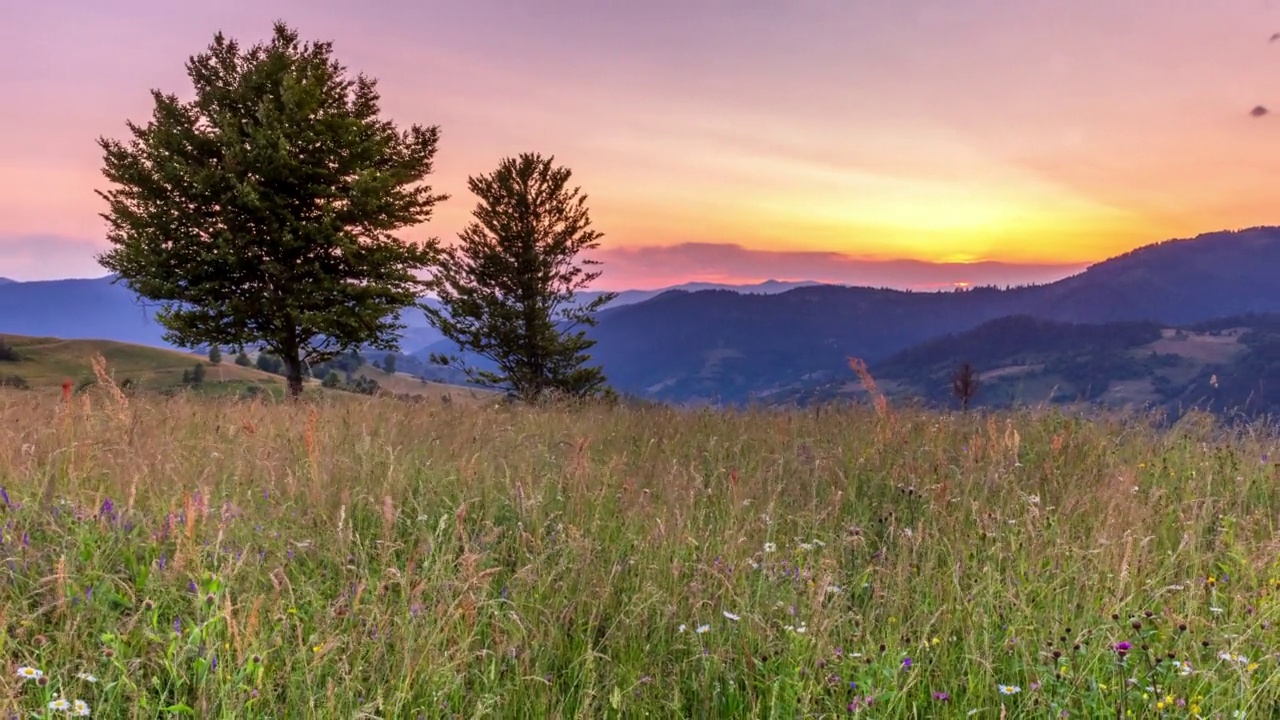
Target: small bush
[[14, 381], [8, 353]]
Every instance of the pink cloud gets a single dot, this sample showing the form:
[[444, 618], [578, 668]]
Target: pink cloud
[[661, 266]]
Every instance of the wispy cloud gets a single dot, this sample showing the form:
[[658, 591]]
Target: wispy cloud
[[661, 266]]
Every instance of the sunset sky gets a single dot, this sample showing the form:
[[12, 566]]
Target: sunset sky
[[735, 140]]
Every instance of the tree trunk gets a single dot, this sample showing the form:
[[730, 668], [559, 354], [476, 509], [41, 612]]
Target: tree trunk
[[293, 372]]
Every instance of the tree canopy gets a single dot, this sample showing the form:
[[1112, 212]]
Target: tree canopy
[[262, 211], [507, 290]]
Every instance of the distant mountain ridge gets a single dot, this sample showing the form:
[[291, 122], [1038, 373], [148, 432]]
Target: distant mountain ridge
[[700, 344], [97, 308], [725, 347]]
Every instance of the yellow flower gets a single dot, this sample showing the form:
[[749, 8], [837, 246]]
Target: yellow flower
[[1252, 666]]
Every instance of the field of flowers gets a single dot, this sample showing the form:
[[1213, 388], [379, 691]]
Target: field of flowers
[[358, 557]]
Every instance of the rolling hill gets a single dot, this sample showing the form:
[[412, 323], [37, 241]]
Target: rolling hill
[[727, 347], [745, 344], [47, 362], [1229, 365]]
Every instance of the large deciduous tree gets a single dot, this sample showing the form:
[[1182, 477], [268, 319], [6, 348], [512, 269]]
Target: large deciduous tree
[[262, 211], [507, 291]]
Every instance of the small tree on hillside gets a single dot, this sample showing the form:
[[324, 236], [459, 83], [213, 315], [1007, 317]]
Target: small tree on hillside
[[389, 363], [507, 290], [964, 384], [261, 212], [242, 359], [197, 374], [215, 355], [8, 353]]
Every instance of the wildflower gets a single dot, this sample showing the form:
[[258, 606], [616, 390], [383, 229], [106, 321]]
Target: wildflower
[[59, 704], [702, 629], [80, 708], [682, 628], [87, 677], [1009, 689], [731, 616], [29, 673], [942, 696], [1233, 657], [1122, 648], [1184, 667], [906, 663]]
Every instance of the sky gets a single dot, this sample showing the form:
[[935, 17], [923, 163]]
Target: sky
[[908, 143]]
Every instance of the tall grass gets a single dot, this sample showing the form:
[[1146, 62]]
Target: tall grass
[[356, 557]]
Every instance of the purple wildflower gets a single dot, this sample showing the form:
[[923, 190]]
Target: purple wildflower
[[4, 494], [942, 696], [1122, 648], [906, 663]]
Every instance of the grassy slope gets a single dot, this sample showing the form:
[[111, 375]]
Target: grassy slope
[[376, 558], [46, 362], [400, 383]]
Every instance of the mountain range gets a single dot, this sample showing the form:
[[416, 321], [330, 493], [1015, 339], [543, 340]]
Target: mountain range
[[725, 344]]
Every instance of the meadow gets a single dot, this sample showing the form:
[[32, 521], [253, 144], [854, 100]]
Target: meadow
[[349, 556]]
